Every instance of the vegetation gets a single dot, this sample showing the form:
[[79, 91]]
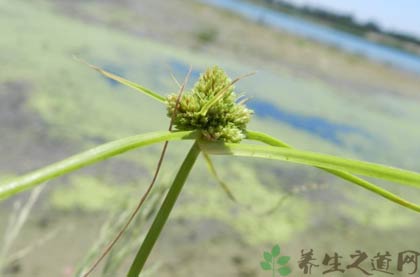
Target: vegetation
[[210, 115]]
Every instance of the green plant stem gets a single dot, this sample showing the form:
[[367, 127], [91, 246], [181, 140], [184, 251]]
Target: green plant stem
[[274, 265], [164, 211], [91, 156], [258, 136]]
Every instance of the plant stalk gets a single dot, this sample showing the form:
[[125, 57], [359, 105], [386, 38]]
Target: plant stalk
[[164, 211]]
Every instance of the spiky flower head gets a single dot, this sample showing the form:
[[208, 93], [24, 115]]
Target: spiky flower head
[[211, 108]]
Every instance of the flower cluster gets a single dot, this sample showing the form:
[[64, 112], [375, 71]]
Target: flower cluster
[[224, 120]]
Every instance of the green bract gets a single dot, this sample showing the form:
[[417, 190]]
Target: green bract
[[223, 120]]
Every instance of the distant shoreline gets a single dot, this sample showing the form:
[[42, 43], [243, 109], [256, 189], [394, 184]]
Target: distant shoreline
[[346, 23]]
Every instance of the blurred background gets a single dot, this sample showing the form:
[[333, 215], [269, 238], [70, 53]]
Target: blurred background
[[338, 77]]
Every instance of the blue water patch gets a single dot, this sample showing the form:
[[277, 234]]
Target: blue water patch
[[181, 68], [114, 70], [315, 125]]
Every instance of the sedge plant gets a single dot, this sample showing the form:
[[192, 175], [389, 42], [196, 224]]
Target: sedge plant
[[215, 120]]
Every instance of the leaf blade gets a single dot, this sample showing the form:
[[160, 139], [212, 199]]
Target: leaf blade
[[267, 139], [213, 171], [316, 159], [99, 153], [324, 161], [125, 82]]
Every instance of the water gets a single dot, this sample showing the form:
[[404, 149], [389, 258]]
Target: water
[[315, 125], [323, 34]]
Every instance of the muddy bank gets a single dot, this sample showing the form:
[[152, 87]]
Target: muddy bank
[[24, 135]]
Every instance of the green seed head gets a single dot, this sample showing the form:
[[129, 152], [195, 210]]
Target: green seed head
[[224, 120]]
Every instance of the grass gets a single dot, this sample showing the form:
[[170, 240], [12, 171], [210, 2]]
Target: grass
[[17, 220]]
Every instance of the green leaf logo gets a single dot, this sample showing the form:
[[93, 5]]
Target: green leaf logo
[[283, 260], [284, 271], [265, 265], [275, 251], [268, 257], [273, 258]]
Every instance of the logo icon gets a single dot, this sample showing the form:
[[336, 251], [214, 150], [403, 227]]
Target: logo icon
[[276, 263]]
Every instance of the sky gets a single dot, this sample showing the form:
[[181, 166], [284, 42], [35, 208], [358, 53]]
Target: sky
[[393, 15]]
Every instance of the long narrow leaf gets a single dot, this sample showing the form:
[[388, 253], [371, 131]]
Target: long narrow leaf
[[216, 176], [91, 156], [315, 159], [126, 82], [262, 137]]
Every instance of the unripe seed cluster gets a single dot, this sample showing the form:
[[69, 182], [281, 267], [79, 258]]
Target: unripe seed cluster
[[225, 120]]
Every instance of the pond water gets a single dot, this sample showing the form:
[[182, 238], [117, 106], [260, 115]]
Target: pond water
[[315, 125], [323, 34]]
